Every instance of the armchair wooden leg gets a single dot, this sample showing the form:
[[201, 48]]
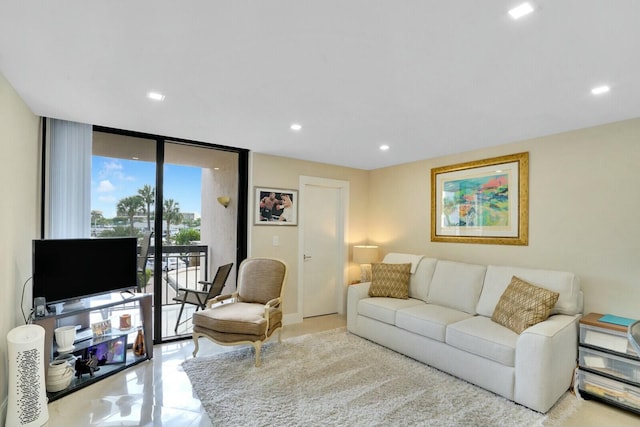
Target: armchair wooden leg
[[196, 345], [257, 346]]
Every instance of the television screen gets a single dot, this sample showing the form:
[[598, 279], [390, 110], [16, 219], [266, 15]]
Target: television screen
[[65, 269]]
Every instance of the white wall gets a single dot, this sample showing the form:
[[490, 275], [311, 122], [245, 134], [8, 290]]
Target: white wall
[[584, 204], [19, 181]]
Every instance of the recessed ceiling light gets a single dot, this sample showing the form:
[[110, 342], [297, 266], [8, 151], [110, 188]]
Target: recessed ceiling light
[[156, 96], [520, 11], [295, 127], [384, 147], [600, 90]]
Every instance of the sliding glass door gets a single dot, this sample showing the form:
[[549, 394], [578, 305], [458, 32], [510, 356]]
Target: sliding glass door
[[165, 193], [198, 233]]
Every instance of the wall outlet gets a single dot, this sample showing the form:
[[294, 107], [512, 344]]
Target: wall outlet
[[276, 240]]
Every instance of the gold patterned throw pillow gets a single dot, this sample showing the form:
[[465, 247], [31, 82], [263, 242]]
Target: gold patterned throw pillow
[[390, 280], [523, 304]]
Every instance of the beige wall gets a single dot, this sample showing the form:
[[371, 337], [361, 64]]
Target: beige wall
[[19, 180], [584, 205], [280, 172], [218, 226]]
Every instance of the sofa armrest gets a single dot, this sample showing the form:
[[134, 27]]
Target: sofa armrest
[[354, 294], [546, 357]]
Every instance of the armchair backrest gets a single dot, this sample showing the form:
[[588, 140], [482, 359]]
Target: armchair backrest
[[261, 279]]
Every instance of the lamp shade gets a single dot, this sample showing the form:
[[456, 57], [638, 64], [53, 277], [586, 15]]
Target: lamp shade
[[365, 254]]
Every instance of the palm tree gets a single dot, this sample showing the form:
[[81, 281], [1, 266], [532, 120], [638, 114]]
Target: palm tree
[[148, 195], [129, 207], [171, 214], [96, 216]]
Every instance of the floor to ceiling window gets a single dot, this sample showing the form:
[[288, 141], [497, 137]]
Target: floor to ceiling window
[[142, 184]]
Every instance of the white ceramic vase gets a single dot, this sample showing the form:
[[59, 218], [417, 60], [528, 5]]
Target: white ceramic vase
[[59, 375], [65, 337]]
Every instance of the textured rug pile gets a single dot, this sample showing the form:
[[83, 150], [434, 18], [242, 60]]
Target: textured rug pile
[[335, 378]]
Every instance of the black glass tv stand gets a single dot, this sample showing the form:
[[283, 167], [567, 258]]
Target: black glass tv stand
[[103, 308]]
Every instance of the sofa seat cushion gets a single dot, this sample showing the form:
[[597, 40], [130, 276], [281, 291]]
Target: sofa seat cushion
[[384, 309], [428, 320], [483, 337], [242, 318]]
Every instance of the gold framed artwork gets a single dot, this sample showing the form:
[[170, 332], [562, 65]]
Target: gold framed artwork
[[484, 201]]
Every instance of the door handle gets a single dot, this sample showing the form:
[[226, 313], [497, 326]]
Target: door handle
[[306, 257]]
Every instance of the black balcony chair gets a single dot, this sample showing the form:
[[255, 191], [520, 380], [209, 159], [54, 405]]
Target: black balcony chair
[[200, 298], [142, 260]]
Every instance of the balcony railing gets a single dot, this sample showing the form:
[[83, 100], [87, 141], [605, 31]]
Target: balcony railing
[[183, 266]]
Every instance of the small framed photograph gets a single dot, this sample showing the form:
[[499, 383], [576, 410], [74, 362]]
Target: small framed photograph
[[276, 206], [101, 328]]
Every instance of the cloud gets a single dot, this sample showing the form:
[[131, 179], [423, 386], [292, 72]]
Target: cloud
[[105, 186], [114, 170], [109, 168]]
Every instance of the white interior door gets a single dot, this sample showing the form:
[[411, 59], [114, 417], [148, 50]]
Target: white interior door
[[322, 245]]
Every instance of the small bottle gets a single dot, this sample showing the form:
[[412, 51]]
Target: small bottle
[[138, 345]]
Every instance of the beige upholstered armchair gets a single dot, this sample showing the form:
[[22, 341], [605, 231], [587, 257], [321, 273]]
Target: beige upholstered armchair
[[251, 314]]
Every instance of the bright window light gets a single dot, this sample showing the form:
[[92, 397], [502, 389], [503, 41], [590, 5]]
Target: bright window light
[[155, 96], [520, 11], [600, 90], [295, 127]]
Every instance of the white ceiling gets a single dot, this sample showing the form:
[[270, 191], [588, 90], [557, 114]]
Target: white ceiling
[[428, 78]]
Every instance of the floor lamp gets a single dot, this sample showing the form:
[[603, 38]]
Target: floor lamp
[[365, 255], [27, 391]]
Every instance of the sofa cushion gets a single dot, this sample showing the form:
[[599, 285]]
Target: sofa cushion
[[456, 285], [498, 278], [428, 320], [390, 280], [421, 272], [384, 309], [522, 305], [481, 336]]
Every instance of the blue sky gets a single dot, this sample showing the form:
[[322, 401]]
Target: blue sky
[[114, 179]]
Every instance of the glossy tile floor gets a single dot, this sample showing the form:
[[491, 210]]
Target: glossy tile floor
[[158, 392]]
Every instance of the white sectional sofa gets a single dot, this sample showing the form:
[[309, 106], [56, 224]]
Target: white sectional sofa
[[446, 323]]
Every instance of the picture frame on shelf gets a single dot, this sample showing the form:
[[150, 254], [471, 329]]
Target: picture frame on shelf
[[484, 201], [276, 206], [102, 328], [109, 351]]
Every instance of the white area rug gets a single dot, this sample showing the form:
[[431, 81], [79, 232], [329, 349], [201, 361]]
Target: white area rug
[[335, 378]]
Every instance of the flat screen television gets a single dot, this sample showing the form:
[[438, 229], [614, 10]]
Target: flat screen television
[[68, 269]]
